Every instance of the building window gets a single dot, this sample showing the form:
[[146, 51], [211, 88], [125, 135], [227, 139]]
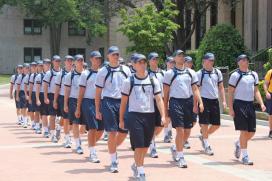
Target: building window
[[32, 27], [75, 51], [32, 54], [74, 30]]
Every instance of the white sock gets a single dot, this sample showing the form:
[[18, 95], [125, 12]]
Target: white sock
[[77, 142], [206, 143], [25, 120], [58, 127], [165, 131], [19, 118], [174, 147], [66, 136], [140, 170], [113, 157], [244, 152], [37, 125], [152, 145], [180, 154], [169, 127], [92, 150], [45, 129]]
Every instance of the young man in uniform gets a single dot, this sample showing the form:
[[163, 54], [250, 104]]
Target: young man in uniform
[[86, 104], [210, 83], [32, 96], [49, 90], [43, 107], [243, 87], [59, 99], [12, 94], [139, 91], [268, 94], [109, 80], [155, 71], [70, 99], [177, 98], [20, 93]]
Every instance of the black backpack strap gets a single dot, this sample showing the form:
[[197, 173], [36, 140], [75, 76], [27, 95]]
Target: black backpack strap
[[239, 79], [122, 71], [72, 76], [90, 74], [174, 77], [62, 75], [131, 84], [15, 78], [161, 72], [152, 84], [108, 74], [251, 73], [202, 77]]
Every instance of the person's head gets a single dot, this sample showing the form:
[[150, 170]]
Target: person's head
[[95, 59], [33, 67], [132, 57], [113, 55], [122, 61], [68, 62], [79, 61], [243, 61], [189, 62], [19, 69], [140, 63], [26, 68], [56, 61], [170, 63], [39, 66], [153, 59], [179, 57], [208, 61], [46, 64]]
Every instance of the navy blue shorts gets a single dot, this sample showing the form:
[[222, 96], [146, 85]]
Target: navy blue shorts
[[63, 114], [110, 113], [31, 107], [52, 110], [141, 128], [211, 113], [22, 100], [157, 116], [88, 115], [268, 104], [16, 102], [181, 112], [34, 105], [44, 108], [72, 109], [244, 116]]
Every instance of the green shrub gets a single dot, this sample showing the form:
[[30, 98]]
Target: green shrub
[[261, 89], [225, 42], [268, 64]]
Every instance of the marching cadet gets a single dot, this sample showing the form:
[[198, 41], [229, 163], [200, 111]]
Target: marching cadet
[[210, 83], [32, 96], [49, 90], [139, 91], [155, 71], [13, 86], [109, 80], [86, 104], [177, 84], [20, 93], [70, 99], [42, 106], [59, 99], [243, 87], [268, 94]]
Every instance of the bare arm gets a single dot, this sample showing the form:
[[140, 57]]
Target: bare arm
[[123, 107], [166, 89], [56, 96], [259, 98], [98, 92], [160, 105], [231, 95], [11, 90], [38, 88], [45, 91], [67, 91], [30, 92], [17, 91], [198, 97], [79, 100], [222, 94]]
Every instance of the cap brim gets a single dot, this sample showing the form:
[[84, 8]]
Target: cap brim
[[113, 52]]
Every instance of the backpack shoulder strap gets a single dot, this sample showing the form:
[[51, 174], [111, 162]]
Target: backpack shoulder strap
[[152, 84], [72, 76], [108, 73], [131, 84], [239, 79], [202, 77], [90, 74], [122, 71], [161, 72], [52, 74], [174, 77]]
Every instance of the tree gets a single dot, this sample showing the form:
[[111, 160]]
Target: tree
[[149, 29]]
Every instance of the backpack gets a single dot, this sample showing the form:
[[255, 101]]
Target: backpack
[[159, 71], [110, 72], [242, 74], [15, 78], [203, 72], [132, 84], [73, 75], [176, 73], [51, 77], [62, 75]]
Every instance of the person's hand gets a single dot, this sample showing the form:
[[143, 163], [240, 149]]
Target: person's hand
[[65, 108], [231, 113], [29, 101], [201, 107], [195, 109], [121, 124], [55, 105], [268, 95], [98, 115], [46, 100], [38, 102], [11, 96], [17, 98], [263, 107], [77, 113], [224, 105], [164, 121], [27, 97]]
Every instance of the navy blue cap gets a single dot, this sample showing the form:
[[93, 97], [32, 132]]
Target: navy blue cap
[[153, 55], [209, 56], [113, 49], [178, 52], [39, 62], [170, 59], [78, 57], [139, 57], [56, 58], [188, 59], [69, 57], [19, 66], [95, 54], [26, 65], [46, 60], [33, 64], [121, 60], [132, 57], [242, 56]]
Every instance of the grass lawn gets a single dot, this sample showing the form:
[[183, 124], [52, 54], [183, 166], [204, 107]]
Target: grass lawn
[[4, 79]]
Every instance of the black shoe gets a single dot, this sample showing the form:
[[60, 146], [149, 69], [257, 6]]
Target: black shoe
[[270, 134]]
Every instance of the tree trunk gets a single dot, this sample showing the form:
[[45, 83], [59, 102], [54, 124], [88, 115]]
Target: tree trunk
[[55, 38]]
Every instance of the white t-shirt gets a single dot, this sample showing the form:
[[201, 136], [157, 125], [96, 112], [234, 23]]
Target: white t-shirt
[[72, 80], [50, 78], [60, 79], [87, 80], [158, 75], [39, 80]]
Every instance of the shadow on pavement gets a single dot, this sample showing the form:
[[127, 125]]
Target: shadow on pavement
[[57, 153], [79, 171], [233, 162]]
